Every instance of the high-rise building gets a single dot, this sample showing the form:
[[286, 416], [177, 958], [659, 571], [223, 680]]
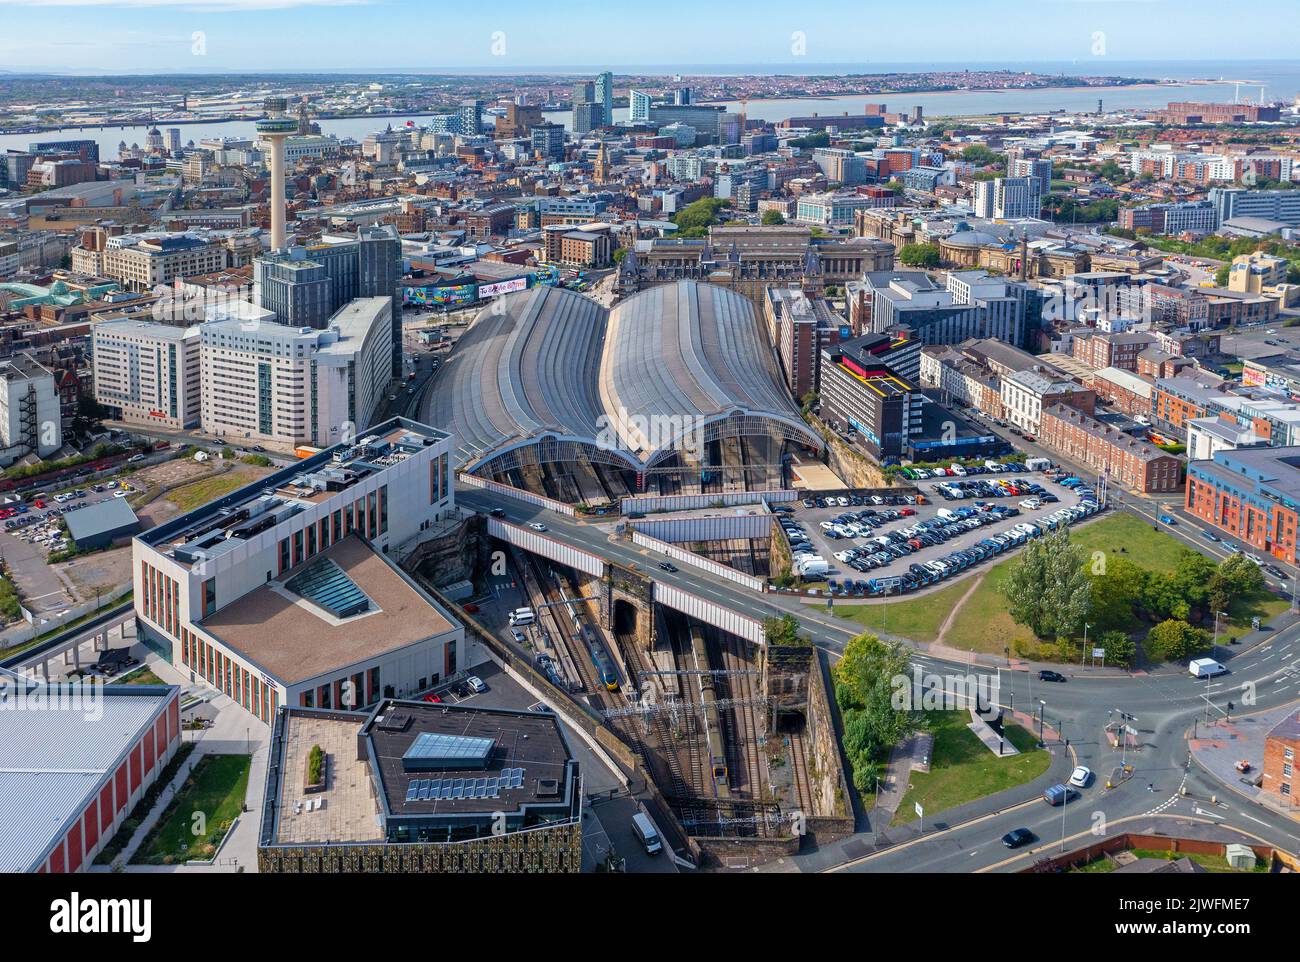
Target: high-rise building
[[548, 141], [604, 95], [470, 115], [174, 141], [682, 96], [639, 107], [584, 92], [31, 420], [1279, 205], [1007, 198], [147, 372], [586, 117]]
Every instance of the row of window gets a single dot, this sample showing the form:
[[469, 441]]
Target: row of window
[[258, 697], [368, 516], [161, 598]]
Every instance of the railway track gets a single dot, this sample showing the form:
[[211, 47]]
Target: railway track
[[799, 771]]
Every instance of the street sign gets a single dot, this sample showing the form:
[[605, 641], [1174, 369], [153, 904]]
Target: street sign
[[920, 812], [1099, 652]]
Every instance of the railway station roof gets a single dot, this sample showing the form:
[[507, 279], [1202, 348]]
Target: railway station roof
[[553, 365]]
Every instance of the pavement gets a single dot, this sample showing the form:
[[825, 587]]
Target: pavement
[[1217, 746]]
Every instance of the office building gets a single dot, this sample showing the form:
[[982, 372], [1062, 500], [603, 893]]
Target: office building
[[1008, 198], [548, 141], [603, 94], [639, 107], [141, 262], [147, 373], [87, 150], [1231, 203], [586, 117], [286, 591], [1252, 494]]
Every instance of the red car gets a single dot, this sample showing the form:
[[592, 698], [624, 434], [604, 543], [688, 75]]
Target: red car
[[907, 512], [471, 608], [433, 699]]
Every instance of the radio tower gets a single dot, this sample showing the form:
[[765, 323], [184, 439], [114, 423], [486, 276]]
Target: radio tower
[[275, 127]]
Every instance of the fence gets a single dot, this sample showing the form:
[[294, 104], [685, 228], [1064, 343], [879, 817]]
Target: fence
[[690, 558], [752, 525], [496, 487], [685, 502], [40, 624]]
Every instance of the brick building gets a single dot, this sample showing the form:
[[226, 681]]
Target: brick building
[[1125, 390], [1129, 461], [1252, 494], [1281, 746], [1112, 350]]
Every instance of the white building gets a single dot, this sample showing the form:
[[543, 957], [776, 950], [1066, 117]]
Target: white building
[[148, 373], [296, 385], [1007, 198], [30, 416], [287, 591]]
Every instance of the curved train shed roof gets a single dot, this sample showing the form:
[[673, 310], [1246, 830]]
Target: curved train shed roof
[[551, 364]]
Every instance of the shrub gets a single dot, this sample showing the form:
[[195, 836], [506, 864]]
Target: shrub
[[315, 765]]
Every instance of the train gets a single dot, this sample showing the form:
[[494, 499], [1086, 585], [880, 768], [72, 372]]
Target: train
[[712, 723], [606, 672]]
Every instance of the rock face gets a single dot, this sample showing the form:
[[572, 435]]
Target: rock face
[[451, 555]]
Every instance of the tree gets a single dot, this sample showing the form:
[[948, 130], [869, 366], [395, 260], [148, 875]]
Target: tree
[[866, 680], [1117, 591], [1221, 275], [695, 219], [771, 218], [1048, 590], [1236, 577], [619, 254], [1119, 647], [980, 156], [784, 631], [1182, 591], [919, 255], [1174, 639]]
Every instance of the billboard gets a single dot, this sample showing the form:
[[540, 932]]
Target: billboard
[[440, 296], [503, 287]]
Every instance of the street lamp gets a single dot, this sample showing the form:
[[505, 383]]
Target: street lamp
[[1083, 653], [1042, 710], [1215, 643]]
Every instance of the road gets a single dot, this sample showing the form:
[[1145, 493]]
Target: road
[[1166, 707]]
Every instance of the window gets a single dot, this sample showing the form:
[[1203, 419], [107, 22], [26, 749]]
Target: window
[[209, 597], [1288, 754], [311, 541], [297, 547], [284, 555], [1287, 770]]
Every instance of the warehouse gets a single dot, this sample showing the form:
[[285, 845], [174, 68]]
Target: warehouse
[[99, 525]]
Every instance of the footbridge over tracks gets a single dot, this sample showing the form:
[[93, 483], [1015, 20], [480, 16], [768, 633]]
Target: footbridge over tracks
[[592, 550]]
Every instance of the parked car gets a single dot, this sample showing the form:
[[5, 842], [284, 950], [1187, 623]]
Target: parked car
[[476, 684]]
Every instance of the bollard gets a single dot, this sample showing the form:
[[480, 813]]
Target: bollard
[[1214, 799]]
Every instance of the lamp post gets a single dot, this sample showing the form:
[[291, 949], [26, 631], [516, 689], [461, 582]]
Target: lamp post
[[1042, 709], [1084, 653]]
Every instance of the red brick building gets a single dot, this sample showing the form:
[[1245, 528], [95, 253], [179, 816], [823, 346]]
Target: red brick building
[[1281, 748], [1130, 462], [1250, 493], [1112, 350]]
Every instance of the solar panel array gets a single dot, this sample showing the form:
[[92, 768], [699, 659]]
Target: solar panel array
[[435, 789]]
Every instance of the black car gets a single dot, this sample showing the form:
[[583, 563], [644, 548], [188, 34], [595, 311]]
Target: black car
[[498, 512], [668, 566], [1018, 837], [1046, 675]]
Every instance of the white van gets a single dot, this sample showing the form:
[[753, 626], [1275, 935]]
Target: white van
[[958, 470], [649, 835], [522, 616], [946, 514], [1205, 668]]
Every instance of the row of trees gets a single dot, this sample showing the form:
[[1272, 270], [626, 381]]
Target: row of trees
[[1055, 588]]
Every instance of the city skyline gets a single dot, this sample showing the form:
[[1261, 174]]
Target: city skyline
[[135, 36]]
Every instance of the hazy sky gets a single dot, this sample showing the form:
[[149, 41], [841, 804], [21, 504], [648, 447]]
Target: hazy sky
[[143, 35]]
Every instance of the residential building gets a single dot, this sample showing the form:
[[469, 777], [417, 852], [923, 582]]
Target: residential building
[[1281, 748], [1026, 394], [148, 373], [31, 420], [1251, 493], [1121, 457]]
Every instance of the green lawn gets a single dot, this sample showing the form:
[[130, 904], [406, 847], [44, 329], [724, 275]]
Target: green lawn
[[1211, 863], [215, 788], [962, 769], [983, 623], [198, 493], [141, 676]]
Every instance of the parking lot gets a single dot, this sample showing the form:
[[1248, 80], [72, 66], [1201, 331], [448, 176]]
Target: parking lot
[[846, 537]]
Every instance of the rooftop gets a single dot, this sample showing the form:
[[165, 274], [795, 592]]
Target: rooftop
[[111, 514], [350, 602]]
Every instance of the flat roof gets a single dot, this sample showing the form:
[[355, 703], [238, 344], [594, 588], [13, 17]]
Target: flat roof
[[295, 639], [531, 741], [111, 514]]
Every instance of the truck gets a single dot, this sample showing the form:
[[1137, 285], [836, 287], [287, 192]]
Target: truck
[[649, 835], [1037, 464], [1205, 668]]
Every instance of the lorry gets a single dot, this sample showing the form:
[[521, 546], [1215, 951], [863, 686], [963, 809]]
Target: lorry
[[1205, 668], [1037, 464], [649, 835]]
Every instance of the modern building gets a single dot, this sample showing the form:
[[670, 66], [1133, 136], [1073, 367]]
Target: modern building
[[1251, 493], [870, 400], [1231, 203], [603, 94], [275, 128], [972, 305], [1252, 273], [420, 787], [297, 385], [800, 326], [1009, 197], [147, 372], [72, 770], [284, 592], [639, 107], [31, 420], [548, 141], [1196, 217]]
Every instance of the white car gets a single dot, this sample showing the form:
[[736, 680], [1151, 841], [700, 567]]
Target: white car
[[1031, 504], [476, 684], [1081, 777], [120, 494], [537, 526]]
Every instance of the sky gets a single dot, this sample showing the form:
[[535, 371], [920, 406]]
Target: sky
[[165, 36]]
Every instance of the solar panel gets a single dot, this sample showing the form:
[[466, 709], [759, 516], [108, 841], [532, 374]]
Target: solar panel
[[412, 790], [425, 786], [326, 584]]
